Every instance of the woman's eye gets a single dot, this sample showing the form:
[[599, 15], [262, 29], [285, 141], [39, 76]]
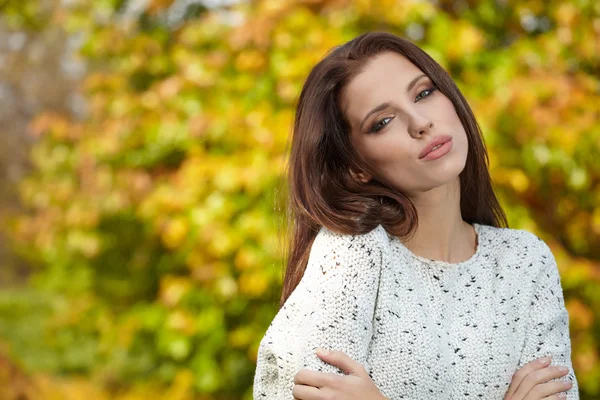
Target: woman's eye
[[381, 124], [427, 91]]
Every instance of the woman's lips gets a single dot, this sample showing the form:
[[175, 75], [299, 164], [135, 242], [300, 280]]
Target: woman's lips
[[439, 152], [436, 141]]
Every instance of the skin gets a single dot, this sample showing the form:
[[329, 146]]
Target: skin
[[412, 119], [531, 382], [391, 139]]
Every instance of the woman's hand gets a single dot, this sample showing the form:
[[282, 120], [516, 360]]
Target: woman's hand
[[313, 385], [531, 382]]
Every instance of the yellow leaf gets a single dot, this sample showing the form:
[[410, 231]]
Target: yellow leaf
[[175, 232], [172, 289], [253, 284]]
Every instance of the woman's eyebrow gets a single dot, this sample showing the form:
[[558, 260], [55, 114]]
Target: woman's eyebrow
[[380, 107], [383, 106]]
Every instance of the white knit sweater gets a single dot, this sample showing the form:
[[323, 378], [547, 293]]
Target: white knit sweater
[[423, 329]]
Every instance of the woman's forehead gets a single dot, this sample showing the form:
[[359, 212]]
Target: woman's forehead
[[386, 74], [383, 70]]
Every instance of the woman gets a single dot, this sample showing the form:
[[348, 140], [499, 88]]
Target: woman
[[401, 261]]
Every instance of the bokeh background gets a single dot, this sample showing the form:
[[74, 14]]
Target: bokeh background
[[141, 157]]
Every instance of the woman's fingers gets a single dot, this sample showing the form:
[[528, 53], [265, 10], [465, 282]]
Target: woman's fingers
[[354, 384], [304, 392], [308, 378], [554, 397], [314, 378], [536, 384], [342, 361], [549, 389], [526, 369]]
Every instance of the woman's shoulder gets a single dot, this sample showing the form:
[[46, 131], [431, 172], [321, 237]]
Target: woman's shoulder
[[329, 242], [340, 266], [377, 235], [513, 240]]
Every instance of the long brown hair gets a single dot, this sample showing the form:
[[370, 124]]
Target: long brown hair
[[321, 189]]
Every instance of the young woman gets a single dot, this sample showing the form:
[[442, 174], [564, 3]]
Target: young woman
[[401, 262]]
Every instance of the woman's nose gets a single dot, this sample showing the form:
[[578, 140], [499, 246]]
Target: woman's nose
[[420, 128]]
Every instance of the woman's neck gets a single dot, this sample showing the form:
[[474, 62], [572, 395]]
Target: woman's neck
[[441, 234], [450, 243]]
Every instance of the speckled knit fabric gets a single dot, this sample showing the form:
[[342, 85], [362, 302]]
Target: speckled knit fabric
[[423, 329]]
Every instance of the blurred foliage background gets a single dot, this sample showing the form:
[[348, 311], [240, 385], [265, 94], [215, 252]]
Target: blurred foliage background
[[143, 146]]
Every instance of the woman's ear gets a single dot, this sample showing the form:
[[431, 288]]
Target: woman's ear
[[361, 176]]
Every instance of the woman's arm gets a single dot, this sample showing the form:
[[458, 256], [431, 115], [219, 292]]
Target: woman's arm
[[547, 332], [332, 308]]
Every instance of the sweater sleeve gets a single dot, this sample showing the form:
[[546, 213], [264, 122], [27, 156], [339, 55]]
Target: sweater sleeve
[[547, 331], [332, 307]]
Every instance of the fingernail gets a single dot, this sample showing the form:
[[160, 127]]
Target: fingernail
[[322, 352], [544, 360], [562, 396], [563, 369]]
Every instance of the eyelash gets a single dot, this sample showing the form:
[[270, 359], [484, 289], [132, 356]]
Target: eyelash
[[374, 127]]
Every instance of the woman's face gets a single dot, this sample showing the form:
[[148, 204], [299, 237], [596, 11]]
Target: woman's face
[[394, 113]]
